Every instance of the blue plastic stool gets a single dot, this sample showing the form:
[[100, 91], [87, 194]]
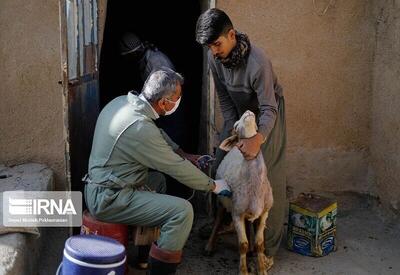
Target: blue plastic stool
[[92, 255]]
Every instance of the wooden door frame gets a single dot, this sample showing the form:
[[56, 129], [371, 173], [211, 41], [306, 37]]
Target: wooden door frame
[[64, 71], [101, 15], [209, 99]]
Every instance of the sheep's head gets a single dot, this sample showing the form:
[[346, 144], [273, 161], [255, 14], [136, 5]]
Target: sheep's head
[[245, 127]]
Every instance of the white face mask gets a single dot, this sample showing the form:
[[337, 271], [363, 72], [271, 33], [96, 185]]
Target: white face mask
[[167, 113]]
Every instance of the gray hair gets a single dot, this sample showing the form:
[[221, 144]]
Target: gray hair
[[161, 83]]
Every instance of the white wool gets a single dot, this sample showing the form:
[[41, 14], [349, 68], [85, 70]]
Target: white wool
[[251, 189]]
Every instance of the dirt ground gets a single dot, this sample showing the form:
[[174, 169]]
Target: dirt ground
[[366, 245]]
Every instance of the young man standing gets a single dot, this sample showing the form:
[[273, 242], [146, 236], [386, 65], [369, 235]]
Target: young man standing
[[244, 80]]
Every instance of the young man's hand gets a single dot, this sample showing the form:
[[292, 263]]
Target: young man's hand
[[250, 146]]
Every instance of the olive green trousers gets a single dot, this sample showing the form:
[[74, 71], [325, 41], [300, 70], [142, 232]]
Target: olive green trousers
[[274, 151], [144, 208]]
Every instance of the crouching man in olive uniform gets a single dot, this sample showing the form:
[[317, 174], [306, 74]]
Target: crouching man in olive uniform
[[126, 145]]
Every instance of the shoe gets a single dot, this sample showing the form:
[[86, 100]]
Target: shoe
[[157, 267], [143, 257], [162, 261], [142, 266]]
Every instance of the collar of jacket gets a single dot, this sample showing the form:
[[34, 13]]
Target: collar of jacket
[[141, 106]]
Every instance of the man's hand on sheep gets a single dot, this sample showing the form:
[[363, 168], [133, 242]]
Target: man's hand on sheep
[[250, 146], [222, 188]]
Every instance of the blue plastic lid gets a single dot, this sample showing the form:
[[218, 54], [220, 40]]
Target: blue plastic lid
[[95, 249]]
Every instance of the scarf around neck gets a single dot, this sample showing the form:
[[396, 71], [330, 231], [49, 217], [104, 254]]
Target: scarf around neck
[[239, 53]]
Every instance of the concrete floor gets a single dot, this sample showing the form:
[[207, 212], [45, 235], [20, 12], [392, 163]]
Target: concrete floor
[[366, 245]]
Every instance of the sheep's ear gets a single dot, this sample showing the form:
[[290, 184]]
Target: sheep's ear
[[229, 143], [234, 129]]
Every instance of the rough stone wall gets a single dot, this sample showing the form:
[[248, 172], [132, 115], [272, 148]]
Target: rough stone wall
[[385, 126], [325, 66], [31, 115]]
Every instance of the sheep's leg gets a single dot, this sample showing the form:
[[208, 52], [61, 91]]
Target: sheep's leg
[[262, 260], [213, 237], [239, 223], [250, 237]]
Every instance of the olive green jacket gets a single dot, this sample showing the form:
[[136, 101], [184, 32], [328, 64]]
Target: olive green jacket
[[127, 143]]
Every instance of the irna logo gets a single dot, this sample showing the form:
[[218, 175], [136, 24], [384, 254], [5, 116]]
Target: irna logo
[[41, 207]]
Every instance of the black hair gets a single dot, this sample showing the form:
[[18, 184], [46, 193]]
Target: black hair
[[212, 24]]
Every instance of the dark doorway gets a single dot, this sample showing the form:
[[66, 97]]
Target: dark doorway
[[170, 25]]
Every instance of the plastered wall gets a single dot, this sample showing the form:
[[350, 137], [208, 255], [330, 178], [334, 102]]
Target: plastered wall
[[340, 73], [324, 63], [385, 112], [31, 116]]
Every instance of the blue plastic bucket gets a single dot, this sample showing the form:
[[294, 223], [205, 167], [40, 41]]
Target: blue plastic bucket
[[93, 255]]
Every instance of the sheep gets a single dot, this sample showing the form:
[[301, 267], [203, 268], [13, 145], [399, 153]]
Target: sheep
[[251, 192]]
